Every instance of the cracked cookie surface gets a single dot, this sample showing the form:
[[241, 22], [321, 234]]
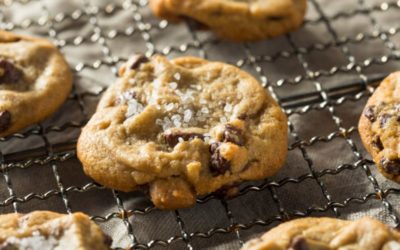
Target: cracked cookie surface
[[379, 127], [34, 81], [184, 128], [328, 234], [236, 20], [44, 230]]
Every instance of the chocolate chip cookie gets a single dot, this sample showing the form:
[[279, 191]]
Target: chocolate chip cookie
[[34, 81], [328, 234], [183, 128], [379, 127], [44, 230], [239, 20]]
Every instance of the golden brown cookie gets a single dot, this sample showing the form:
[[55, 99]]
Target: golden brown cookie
[[241, 20], [34, 81], [328, 234], [184, 127], [44, 230], [379, 127]]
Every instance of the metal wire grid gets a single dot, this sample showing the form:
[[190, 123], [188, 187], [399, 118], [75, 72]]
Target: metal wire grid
[[320, 98]]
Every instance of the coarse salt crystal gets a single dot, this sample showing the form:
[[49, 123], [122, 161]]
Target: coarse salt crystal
[[134, 108], [177, 123], [187, 115], [223, 119], [177, 76], [176, 118], [204, 110], [228, 108], [157, 83], [180, 139], [159, 122], [173, 85], [169, 106]]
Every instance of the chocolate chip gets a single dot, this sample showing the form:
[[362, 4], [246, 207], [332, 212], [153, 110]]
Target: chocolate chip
[[377, 143], [391, 166], [8, 72], [5, 120], [384, 119], [172, 138], [135, 61], [369, 112], [233, 134], [299, 243], [218, 164]]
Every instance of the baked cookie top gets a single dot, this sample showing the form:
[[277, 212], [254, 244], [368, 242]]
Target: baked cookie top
[[184, 127], [34, 81], [379, 127], [328, 234], [44, 230], [237, 20]]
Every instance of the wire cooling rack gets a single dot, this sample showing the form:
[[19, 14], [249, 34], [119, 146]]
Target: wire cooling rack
[[322, 76]]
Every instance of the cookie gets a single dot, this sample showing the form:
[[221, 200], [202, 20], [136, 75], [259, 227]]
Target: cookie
[[242, 20], [182, 128], [379, 127], [34, 81], [328, 234], [44, 230]]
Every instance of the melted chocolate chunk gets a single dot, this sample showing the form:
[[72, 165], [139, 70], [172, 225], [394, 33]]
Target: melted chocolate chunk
[[233, 134], [173, 138], [384, 119], [218, 164], [299, 243], [8, 72], [5, 120], [391, 166], [377, 143], [135, 61], [370, 113]]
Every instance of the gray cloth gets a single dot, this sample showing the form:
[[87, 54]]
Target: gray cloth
[[96, 36]]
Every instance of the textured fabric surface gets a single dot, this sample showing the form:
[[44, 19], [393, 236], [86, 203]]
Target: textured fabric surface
[[96, 36]]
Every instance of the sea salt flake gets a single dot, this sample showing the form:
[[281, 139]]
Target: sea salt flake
[[228, 108], [177, 76], [205, 110], [187, 115], [173, 85], [134, 108], [169, 106], [223, 119], [159, 122], [157, 83], [176, 118], [177, 123], [180, 139]]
